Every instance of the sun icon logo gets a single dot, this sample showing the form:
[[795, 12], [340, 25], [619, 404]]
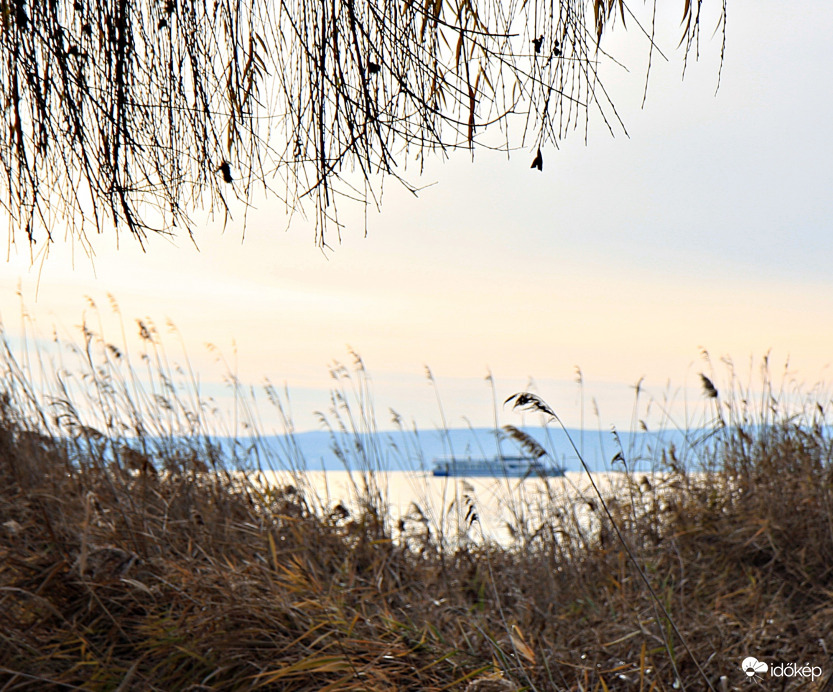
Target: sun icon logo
[[752, 666]]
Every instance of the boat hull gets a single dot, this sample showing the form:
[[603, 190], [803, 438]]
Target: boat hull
[[439, 473], [494, 468]]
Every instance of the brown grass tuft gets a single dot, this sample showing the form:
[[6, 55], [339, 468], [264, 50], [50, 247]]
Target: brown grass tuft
[[162, 568]]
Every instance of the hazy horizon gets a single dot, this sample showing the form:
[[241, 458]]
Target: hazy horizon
[[705, 227]]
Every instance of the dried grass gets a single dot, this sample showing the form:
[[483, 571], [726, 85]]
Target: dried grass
[[161, 569]]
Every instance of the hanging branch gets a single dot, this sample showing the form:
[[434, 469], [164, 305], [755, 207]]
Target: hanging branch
[[135, 113]]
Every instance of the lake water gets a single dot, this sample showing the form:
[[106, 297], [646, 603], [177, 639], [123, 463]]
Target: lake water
[[416, 452], [451, 503]]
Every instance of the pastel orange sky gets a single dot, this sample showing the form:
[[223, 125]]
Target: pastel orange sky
[[708, 227]]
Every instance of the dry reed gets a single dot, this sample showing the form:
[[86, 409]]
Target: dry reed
[[133, 556]]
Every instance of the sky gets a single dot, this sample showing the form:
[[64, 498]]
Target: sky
[[707, 226]]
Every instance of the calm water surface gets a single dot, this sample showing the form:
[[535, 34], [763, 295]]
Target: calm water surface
[[452, 502]]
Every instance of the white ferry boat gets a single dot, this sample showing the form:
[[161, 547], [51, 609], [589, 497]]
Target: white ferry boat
[[502, 466]]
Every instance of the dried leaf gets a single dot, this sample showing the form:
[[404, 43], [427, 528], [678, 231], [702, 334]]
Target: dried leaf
[[530, 402], [708, 387], [538, 161], [521, 646]]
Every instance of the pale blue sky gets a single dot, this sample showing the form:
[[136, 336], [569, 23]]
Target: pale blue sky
[[709, 227]]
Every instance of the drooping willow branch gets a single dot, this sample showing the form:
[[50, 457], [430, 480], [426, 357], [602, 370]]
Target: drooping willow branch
[[138, 112]]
